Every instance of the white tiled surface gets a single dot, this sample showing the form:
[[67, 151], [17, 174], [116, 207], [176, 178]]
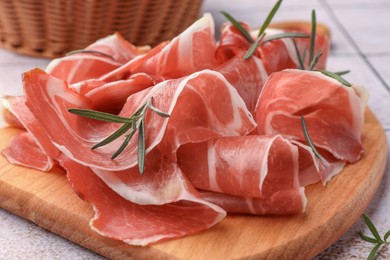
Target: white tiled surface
[[361, 43]]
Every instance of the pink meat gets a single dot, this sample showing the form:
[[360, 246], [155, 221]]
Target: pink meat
[[198, 113], [245, 166], [81, 66], [291, 201], [111, 96], [136, 224], [33, 149], [333, 112], [191, 51], [247, 77]]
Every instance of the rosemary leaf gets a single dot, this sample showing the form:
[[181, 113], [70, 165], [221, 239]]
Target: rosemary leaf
[[253, 48], [367, 238], [118, 133], [303, 58], [124, 144], [313, 35], [89, 51], [141, 146], [372, 254], [301, 66], [158, 111], [343, 72], [284, 35], [308, 140], [387, 235], [269, 18], [372, 228], [336, 77], [97, 115], [315, 60], [238, 26]]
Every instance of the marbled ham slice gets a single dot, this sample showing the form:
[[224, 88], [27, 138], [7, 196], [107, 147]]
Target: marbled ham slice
[[333, 112], [136, 224], [111, 96], [82, 66], [292, 201], [33, 149], [191, 51], [246, 76], [246, 166], [202, 106]]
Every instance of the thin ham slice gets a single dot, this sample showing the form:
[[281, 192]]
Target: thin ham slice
[[111, 96], [33, 149], [247, 166], [333, 112], [202, 106], [135, 224], [247, 77], [81, 66], [292, 201]]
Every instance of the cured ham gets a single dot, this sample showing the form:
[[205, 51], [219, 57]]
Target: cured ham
[[248, 166], [33, 148], [191, 51], [136, 224], [204, 117], [333, 112], [247, 77], [276, 55], [213, 132], [292, 201], [104, 56]]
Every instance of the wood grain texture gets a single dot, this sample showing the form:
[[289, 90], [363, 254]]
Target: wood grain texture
[[48, 200]]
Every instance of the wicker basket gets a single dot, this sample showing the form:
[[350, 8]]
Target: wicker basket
[[50, 28]]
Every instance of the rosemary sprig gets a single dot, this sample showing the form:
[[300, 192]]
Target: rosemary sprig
[[337, 77], [308, 140], [377, 240], [284, 35], [314, 58], [89, 51], [238, 26], [262, 30], [130, 125]]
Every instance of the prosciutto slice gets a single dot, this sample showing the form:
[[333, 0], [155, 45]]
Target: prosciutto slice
[[197, 114], [247, 166], [247, 77], [33, 148], [291, 201], [81, 66], [191, 51], [333, 112], [135, 224]]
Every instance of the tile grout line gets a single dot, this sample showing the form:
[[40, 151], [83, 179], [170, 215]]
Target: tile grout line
[[354, 44]]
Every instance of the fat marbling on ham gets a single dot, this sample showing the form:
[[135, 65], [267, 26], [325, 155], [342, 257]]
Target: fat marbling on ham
[[232, 141]]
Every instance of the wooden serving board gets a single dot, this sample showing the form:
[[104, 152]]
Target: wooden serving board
[[48, 200]]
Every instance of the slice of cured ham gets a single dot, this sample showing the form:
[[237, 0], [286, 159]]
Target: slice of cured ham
[[82, 66], [33, 149], [136, 224], [333, 112], [191, 51], [202, 106], [247, 166], [246, 76], [111, 96], [292, 201]]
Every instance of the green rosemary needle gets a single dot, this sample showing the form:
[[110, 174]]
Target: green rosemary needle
[[308, 140]]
